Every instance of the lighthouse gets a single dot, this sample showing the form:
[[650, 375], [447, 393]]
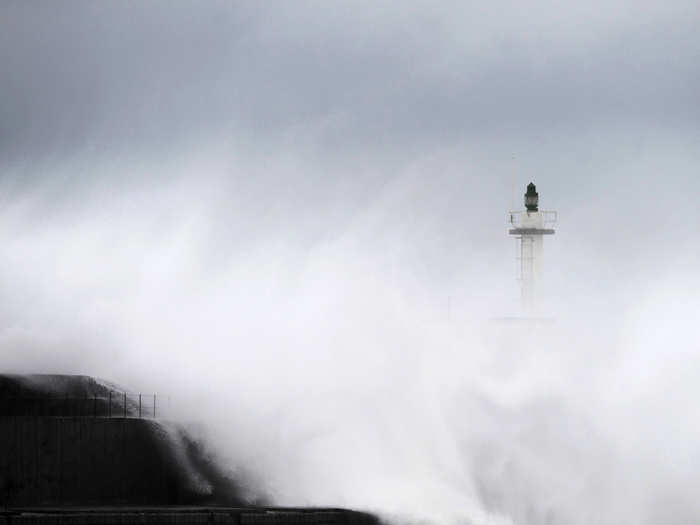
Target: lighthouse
[[529, 226]]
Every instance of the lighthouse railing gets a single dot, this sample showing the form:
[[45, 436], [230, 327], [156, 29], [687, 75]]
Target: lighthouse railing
[[549, 217]]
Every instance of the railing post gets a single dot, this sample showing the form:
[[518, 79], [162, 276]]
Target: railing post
[[124, 405], [154, 406], [139, 406]]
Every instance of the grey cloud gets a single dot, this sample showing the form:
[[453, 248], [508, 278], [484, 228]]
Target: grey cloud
[[146, 75]]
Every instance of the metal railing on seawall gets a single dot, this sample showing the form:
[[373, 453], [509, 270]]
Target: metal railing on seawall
[[111, 405]]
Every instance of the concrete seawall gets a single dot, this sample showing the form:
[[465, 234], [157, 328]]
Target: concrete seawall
[[70, 454], [188, 516], [64, 460]]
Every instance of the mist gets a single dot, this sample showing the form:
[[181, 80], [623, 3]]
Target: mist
[[292, 220]]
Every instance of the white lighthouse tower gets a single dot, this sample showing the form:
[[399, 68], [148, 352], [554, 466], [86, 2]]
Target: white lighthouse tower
[[529, 226]]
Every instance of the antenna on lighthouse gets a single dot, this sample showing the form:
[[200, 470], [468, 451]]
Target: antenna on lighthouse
[[529, 226]]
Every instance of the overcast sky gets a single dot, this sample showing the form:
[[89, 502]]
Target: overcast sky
[[356, 94], [232, 186], [596, 102]]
